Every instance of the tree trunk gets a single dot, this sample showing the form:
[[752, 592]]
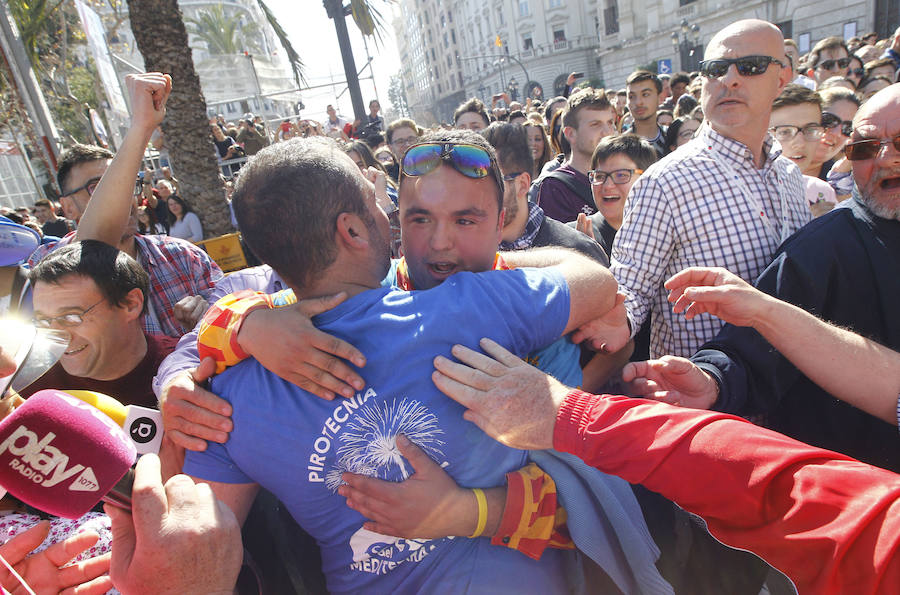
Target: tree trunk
[[162, 40]]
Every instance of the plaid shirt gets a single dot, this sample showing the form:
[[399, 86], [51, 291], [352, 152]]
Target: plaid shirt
[[706, 204], [176, 269], [532, 227]]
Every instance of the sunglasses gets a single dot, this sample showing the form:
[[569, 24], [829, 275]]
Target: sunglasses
[[830, 121], [830, 64], [88, 187], [857, 71], [469, 160], [869, 148], [746, 66], [619, 176]]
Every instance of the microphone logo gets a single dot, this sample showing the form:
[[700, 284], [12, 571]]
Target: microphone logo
[[142, 430], [45, 465]]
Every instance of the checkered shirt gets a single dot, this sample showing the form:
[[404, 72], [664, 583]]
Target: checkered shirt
[[176, 268], [691, 209]]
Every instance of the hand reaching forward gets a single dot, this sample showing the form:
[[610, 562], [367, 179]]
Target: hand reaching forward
[[718, 292], [511, 401], [673, 380], [46, 572]]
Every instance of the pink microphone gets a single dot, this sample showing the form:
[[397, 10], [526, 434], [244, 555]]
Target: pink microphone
[[61, 455]]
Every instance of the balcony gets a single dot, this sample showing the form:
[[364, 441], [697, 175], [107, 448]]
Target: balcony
[[526, 53], [561, 45]]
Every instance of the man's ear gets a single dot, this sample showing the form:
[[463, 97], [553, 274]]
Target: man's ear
[[70, 210], [351, 231], [133, 303], [569, 132], [523, 184]]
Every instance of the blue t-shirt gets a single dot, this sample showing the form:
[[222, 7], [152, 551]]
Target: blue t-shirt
[[560, 359], [296, 445]]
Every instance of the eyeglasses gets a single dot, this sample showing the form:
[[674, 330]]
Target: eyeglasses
[[469, 160], [409, 140], [66, 320], [746, 66], [512, 176], [619, 176], [830, 64], [858, 71], [88, 187], [786, 132], [869, 148], [830, 121], [688, 133]]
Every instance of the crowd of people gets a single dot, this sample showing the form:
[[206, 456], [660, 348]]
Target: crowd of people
[[711, 258]]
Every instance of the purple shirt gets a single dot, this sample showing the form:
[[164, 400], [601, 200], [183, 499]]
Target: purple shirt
[[559, 202]]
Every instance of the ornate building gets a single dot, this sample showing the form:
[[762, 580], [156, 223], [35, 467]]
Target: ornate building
[[455, 49]]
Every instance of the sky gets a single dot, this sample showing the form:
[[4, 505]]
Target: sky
[[313, 36]]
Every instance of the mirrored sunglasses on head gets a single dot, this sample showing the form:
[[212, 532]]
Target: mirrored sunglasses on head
[[470, 160], [746, 66]]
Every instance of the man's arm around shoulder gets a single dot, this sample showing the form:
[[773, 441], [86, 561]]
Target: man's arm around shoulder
[[592, 288]]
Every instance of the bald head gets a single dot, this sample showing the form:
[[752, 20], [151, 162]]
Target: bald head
[[762, 35], [738, 105], [878, 177], [886, 101]]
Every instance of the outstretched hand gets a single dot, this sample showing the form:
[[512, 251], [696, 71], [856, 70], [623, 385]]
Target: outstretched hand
[[511, 401], [673, 380], [46, 572], [716, 291], [427, 505]]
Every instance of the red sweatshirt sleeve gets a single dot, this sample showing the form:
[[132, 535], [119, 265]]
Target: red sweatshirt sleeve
[[831, 523]]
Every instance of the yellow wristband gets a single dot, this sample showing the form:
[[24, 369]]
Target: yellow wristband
[[482, 512]]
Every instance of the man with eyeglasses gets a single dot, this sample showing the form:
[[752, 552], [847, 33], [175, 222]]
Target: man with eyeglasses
[[727, 198], [829, 57], [566, 191], [181, 274], [844, 269], [400, 135], [796, 124], [97, 294]]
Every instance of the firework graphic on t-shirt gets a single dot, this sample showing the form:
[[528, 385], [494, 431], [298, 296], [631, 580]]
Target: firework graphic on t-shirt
[[369, 440]]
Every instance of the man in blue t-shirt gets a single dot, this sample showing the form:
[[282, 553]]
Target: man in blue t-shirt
[[297, 446]]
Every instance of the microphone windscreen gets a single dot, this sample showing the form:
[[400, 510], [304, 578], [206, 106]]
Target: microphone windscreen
[[61, 455]]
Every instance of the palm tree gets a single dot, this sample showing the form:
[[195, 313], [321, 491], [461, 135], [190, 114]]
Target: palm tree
[[163, 42], [162, 39], [223, 33]]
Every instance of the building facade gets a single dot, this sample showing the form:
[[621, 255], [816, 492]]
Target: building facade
[[455, 49]]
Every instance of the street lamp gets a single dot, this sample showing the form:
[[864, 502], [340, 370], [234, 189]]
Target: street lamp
[[513, 88], [687, 45]]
